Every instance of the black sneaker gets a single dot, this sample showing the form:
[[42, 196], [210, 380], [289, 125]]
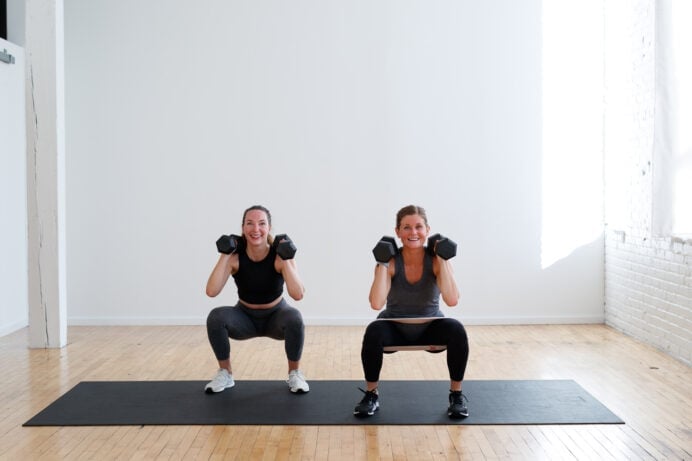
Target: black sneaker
[[457, 406], [369, 405]]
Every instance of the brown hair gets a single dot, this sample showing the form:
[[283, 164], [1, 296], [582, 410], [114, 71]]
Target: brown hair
[[411, 210]]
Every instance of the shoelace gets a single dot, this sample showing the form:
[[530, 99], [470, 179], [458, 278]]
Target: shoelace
[[458, 397], [222, 377], [297, 373], [370, 396]]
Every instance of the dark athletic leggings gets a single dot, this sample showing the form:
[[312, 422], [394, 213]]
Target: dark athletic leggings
[[239, 322], [449, 332]]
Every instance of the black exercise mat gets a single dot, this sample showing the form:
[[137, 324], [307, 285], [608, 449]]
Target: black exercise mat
[[327, 403]]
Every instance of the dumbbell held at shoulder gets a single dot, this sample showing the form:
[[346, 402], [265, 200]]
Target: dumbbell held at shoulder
[[385, 250], [228, 244], [284, 247], [442, 246]]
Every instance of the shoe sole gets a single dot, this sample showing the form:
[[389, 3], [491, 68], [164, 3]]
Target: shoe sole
[[299, 391], [210, 390], [366, 413], [457, 415]]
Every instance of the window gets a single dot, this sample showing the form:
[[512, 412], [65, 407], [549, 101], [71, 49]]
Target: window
[[672, 205]]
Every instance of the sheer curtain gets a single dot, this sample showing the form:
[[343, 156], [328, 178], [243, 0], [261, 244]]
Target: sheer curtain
[[672, 155]]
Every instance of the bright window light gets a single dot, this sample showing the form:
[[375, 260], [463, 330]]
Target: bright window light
[[681, 36], [572, 127]]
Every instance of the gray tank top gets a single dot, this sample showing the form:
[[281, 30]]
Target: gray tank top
[[420, 299]]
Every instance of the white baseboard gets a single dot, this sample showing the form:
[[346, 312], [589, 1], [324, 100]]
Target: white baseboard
[[135, 321], [12, 327], [333, 321], [567, 320]]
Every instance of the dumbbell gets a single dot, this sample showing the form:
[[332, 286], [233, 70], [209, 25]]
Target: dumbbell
[[445, 247], [385, 249], [227, 244], [284, 247]]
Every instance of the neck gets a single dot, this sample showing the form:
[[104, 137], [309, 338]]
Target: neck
[[257, 252], [413, 252]]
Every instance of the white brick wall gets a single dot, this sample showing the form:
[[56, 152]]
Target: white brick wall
[[649, 290], [648, 281]]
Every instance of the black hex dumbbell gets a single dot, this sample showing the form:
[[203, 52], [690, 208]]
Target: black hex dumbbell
[[385, 249], [284, 246], [442, 246], [227, 244]]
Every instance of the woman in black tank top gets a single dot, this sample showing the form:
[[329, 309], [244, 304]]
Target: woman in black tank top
[[259, 273], [410, 285]]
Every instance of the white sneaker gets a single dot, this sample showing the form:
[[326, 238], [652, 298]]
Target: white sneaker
[[222, 380], [296, 382]]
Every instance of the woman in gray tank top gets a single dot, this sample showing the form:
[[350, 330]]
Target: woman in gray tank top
[[409, 285]]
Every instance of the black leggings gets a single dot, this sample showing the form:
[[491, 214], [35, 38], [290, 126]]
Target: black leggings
[[446, 331]]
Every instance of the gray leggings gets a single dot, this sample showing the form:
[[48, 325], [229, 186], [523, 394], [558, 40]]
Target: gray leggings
[[239, 322]]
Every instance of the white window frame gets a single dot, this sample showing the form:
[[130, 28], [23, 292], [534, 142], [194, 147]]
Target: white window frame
[[672, 146]]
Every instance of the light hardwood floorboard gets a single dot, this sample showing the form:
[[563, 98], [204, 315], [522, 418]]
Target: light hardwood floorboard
[[649, 390]]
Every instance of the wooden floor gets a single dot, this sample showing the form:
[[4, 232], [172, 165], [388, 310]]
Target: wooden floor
[[650, 391]]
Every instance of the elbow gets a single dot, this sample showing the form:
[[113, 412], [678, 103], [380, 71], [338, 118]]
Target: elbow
[[211, 293], [376, 304], [452, 301], [296, 292]]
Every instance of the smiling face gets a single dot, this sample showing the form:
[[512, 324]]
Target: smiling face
[[413, 231], [256, 227]]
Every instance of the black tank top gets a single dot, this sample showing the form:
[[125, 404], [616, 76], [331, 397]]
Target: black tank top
[[258, 282]]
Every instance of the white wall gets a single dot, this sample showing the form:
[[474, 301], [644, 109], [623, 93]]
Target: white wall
[[332, 114], [13, 217]]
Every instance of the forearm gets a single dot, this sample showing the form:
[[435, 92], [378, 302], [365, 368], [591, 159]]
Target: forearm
[[219, 275], [380, 287], [447, 284], [294, 285]]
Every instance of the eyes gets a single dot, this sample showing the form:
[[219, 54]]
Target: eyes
[[259, 223], [418, 227]]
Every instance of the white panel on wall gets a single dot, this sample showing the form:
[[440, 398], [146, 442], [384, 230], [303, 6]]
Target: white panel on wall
[[15, 21], [13, 233], [334, 115]]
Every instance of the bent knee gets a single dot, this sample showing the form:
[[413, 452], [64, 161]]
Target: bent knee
[[455, 329], [374, 333], [294, 319], [215, 318]]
